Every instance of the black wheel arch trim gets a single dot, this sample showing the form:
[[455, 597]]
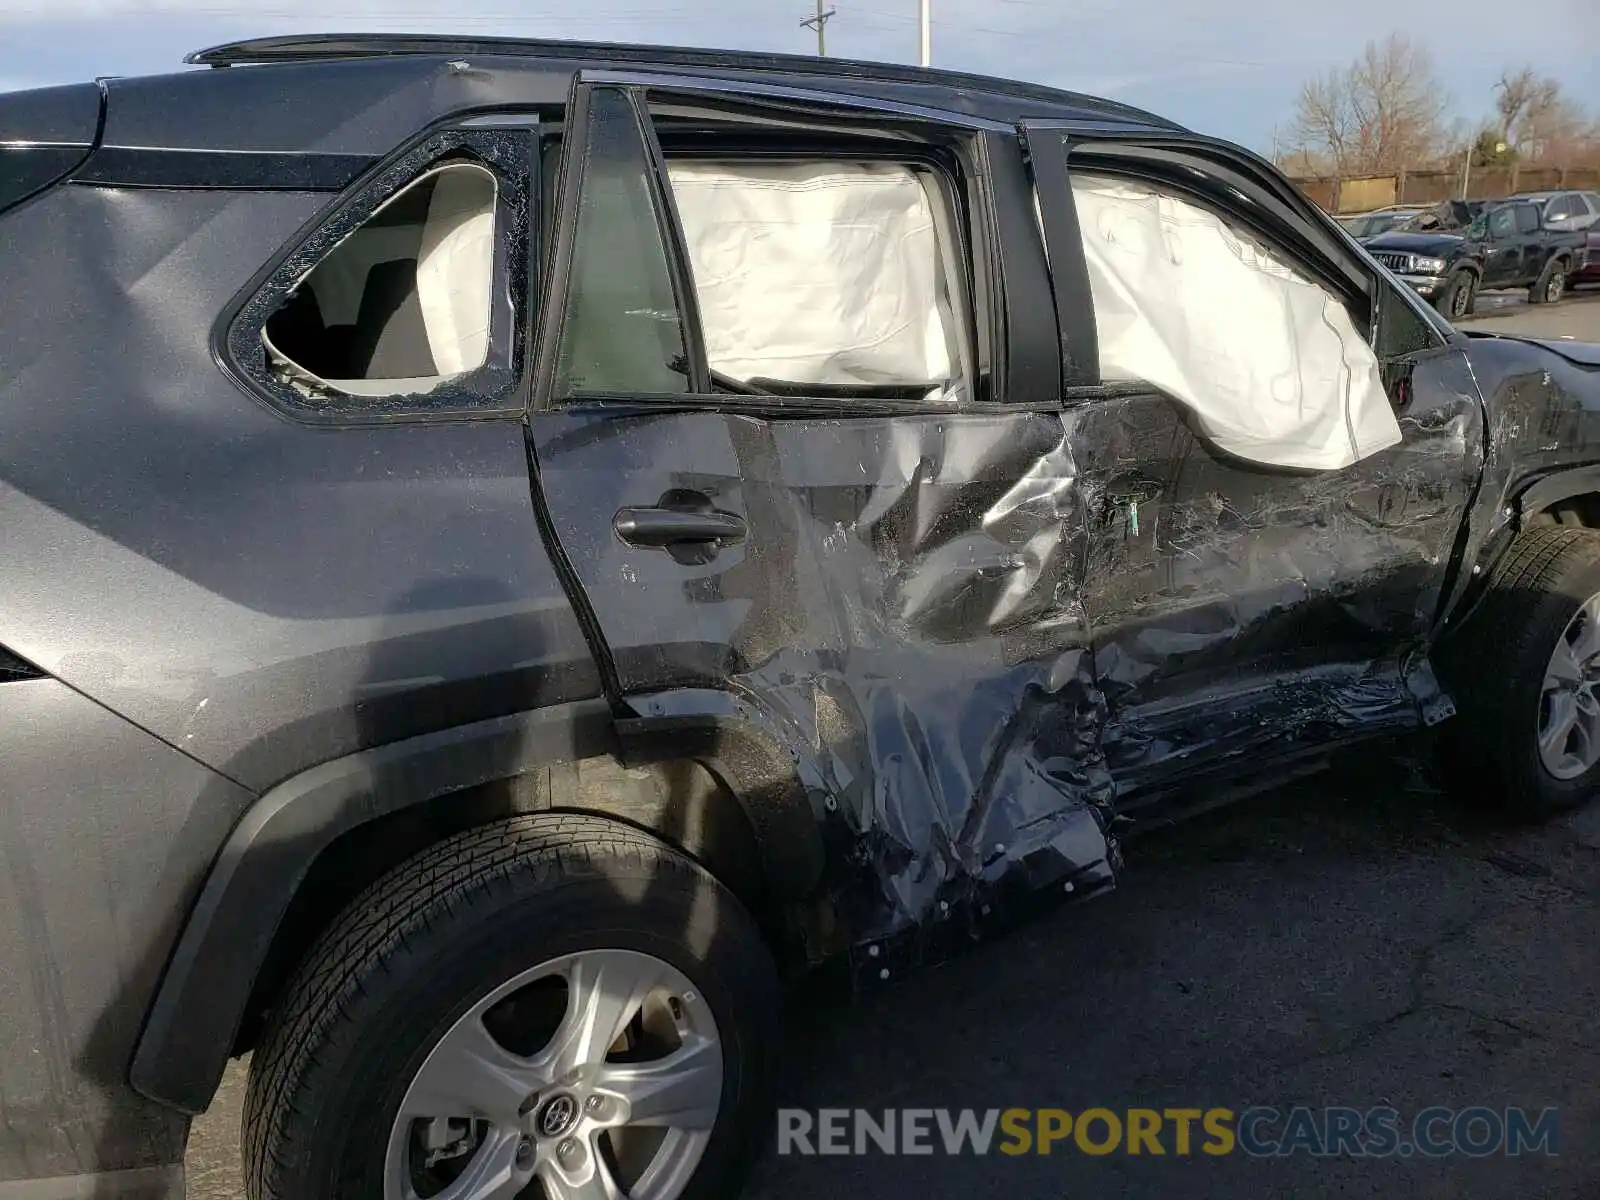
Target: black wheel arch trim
[[759, 772], [1540, 492], [1524, 497], [200, 1004], [198, 1008]]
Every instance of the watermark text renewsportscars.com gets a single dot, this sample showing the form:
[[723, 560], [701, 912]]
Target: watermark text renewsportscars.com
[[1259, 1131]]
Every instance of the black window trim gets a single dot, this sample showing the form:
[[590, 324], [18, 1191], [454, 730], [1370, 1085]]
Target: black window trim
[[670, 225], [1077, 330], [1007, 327], [506, 146], [555, 301], [792, 99]]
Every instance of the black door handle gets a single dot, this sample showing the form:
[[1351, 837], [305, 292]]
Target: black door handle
[[681, 519], [657, 528]]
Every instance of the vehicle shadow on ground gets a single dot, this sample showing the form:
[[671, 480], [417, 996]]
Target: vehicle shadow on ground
[[1359, 939]]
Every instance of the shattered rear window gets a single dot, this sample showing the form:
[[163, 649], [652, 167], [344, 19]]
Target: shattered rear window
[[402, 304]]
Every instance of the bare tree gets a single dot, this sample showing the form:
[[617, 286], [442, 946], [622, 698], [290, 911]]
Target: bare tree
[[1383, 112], [1536, 118]]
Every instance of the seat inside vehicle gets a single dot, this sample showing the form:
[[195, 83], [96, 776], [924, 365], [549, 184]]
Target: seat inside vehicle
[[402, 303]]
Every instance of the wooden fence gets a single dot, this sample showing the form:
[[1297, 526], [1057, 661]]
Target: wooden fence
[[1365, 192]]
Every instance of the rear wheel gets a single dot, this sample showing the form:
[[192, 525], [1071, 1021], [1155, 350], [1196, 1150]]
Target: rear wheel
[[1552, 284], [1459, 295], [1525, 671], [553, 1007]]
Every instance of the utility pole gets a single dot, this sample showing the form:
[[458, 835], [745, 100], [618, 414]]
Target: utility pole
[[927, 33], [820, 24]]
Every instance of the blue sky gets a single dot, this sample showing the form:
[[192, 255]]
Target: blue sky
[[1227, 67]]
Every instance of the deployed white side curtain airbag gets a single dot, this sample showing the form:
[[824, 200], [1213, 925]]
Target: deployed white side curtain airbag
[[827, 273], [455, 268], [1270, 363]]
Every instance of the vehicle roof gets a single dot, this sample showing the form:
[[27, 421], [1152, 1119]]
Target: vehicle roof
[[335, 47], [366, 93]]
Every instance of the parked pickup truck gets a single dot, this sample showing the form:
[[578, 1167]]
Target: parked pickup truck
[[1506, 246], [522, 547]]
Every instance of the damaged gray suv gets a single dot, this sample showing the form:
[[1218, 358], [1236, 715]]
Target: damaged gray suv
[[514, 549]]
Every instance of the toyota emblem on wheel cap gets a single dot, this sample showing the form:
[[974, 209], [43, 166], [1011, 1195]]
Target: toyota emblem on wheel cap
[[559, 1115]]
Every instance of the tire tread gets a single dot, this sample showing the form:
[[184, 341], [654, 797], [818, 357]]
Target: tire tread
[[1529, 600], [391, 914]]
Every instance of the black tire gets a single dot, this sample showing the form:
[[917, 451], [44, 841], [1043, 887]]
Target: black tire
[[394, 972], [1552, 284], [1459, 296], [1495, 668]]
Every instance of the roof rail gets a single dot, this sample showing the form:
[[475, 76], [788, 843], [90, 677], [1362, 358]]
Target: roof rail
[[324, 46]]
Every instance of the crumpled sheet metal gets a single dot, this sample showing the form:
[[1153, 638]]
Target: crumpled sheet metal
[[1544, 406], [904, 617], [981, 637], [1198, 563]]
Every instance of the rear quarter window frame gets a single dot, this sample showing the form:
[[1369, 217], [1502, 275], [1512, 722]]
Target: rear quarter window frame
[[498, 389]]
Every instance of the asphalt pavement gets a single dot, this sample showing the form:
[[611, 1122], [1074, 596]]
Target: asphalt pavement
[[1361, 940], [1576, 317]]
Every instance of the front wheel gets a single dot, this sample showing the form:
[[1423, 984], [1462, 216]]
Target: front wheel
[[1552, 285], [1525, 671], [1459, 295], [552, 1006]]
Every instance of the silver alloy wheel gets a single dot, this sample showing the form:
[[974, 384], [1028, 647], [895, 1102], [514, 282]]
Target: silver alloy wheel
[[1459, 296], [576, 1115], [1553, 289], [1569, 713]]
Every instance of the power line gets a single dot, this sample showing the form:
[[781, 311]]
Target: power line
[[820, 24]]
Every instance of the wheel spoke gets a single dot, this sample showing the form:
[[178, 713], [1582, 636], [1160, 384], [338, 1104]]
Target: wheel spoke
[[589, 1180], [492, 1174], [1587, 644], [1585, 727], [469, 1074], [682, 1090], [605, 990], [1564, 666], [1558, 727]]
